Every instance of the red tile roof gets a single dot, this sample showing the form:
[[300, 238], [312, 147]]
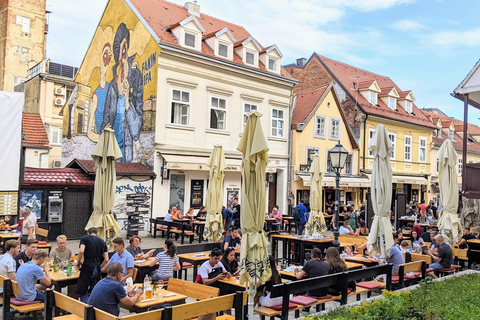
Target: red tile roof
[[348, 76], [305, 103], [34, 131], [162, 16], [64, 177], [122, 168], [403, 94], [446, 121]]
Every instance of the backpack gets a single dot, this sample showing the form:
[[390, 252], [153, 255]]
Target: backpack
[[297, 213]]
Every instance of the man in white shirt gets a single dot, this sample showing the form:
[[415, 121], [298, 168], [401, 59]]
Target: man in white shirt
[[346, 229], [8, 265], [32, 214], [212, 266]]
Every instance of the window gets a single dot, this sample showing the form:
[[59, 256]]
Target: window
[[408, 106], [335, 129], [311, 151], [17, 80], [87, 109], [277, 123], [470, 161], [408, 148], [371, 132], [247, 107], [438, 132], [250, 58], [25, 23], [223, 50], [423, 150], [450, 134], [460, 166], [24, 55], [56, 135], [373, 98], [348, 168], [218, 112], [180, 107], [392, 138], [320, 123], [329, 162], [438, 166], [392, 103], [272, 64], [190, 40]]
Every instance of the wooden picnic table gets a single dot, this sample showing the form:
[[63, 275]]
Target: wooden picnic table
[[143, 304], [195, 258], [143, 267], [4, 237]]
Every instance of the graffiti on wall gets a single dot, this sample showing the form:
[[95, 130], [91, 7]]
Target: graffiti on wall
[[126, 187], [115, 87]]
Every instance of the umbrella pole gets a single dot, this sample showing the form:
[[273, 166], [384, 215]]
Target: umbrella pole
[[251, 296]]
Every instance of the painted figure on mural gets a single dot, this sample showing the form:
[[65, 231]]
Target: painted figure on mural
[[124, 102], [100, 94]]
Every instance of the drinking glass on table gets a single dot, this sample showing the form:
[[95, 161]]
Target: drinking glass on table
[[159, 285]]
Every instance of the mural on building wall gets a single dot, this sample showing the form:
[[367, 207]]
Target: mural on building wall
[[126, 187], [115, 87]]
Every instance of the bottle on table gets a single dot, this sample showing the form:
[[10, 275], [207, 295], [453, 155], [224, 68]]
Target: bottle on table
[[147, 287], [56, 265], [69, 268]]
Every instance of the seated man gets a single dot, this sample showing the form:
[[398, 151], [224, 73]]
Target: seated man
[[29, 274], [466, 236], [8, 265], [314, 268], [395, 256], [212, 270], [232, 240], [170, 217], [426, 235], [123, 257], [61, 252], [135, 250], [109, 292], [277, 215], [346, 229], [25, 256], [444, 257]]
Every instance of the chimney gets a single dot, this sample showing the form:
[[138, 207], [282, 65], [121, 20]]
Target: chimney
[[301, 62], [193, 8]]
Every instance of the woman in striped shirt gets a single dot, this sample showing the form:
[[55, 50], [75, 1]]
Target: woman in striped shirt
[[168, 262]]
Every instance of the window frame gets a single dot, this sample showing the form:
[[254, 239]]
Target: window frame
[[253, 53], [408, 106], [275, 65], [172, 114], [24, 54], [373, 95], [405, 148], [392, 103], [350, 154], [420, 149], [451, 134], [194, 35], [59, 136], [330, 131], [23, 21], [227, 46], [315, 127], [307, 158], [370, 136], [437, 167], [394, 144], [282, 120], [244, 113], [219, 109], [460, 166]]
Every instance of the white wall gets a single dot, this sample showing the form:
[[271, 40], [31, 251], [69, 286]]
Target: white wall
[[32, 158]]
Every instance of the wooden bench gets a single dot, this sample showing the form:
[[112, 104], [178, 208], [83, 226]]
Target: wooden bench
[[77, 309], [10, 289], [418, 268], [98, 314], [172, 227], [460, 256], [208, 306], [149, 315], [192, 290], [204, 247]]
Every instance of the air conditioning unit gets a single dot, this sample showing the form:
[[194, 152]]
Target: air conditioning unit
[[60, 91], [57, 164], [59, 102]]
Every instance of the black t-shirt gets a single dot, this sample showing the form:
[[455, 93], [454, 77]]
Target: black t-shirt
[[466, 237], [231, 266], [426, 237], [316, 268], [21, 256], [445, 253], [11, 222], [95, 247], [236, 211], [231, 242]]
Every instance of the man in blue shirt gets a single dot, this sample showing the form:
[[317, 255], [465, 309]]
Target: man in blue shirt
[[29, 274], [395, 257], [300, 224], [123, 257], [109, 292]]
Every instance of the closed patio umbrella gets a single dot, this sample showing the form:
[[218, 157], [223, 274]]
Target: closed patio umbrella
[[105, 154], [380, 238], [448, 224], [213, 222], [316, 221], [253, 253]]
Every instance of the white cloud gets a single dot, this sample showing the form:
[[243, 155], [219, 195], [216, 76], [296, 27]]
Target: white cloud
[[451, 39], [407, 25]]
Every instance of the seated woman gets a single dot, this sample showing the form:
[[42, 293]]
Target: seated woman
[[263, 296], [416, 241], [168, 262], [135, 250], [348, 252], [190, 214], [230, 262], [202, 212], [337, 265], [362, 230]]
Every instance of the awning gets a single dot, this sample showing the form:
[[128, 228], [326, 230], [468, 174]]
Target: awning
[[409, 179], [195, 163], [352, 182]]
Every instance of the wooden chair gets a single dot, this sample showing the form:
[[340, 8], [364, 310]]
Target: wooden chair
[[44, 234], [460, 256], [77, 309], [10, 289], [135, 272], [420, 257], [102, 315], [192, 290], [150, 315]]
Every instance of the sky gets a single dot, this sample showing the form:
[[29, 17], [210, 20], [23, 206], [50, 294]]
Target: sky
[[427, 46]]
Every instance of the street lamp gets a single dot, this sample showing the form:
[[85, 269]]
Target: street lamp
[[338, 156]]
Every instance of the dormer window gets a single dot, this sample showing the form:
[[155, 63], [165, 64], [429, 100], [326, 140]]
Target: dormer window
[[373, 98], [271, 57], [272, 64], [221, 43], [450, 134], [189, 33], [250, 58], [408, 106], [392, 103], [249, 50], [223, 50], [190, 40], [439, 133]]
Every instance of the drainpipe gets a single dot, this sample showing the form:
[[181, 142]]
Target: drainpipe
[[40, 157], [290, 135], [364, 139]]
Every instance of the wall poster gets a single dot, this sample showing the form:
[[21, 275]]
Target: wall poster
[[231, 194], [196, 194], [33, 198], [177, 191]]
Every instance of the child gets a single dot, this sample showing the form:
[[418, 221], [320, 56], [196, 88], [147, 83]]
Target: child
[[348, 252]]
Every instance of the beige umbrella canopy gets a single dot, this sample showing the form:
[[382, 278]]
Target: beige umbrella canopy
[[105, 154], [213, 223], [316, 221], [448, 224], [253, 253], [380, 239]]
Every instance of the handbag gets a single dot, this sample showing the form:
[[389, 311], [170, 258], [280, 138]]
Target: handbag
[[215, 272]]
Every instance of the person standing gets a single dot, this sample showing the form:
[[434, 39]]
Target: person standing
[[62, 252], [28, 228], [423, 206], [236, 212], [123, 257], [94, 251], [299, 216], [29, 274]]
